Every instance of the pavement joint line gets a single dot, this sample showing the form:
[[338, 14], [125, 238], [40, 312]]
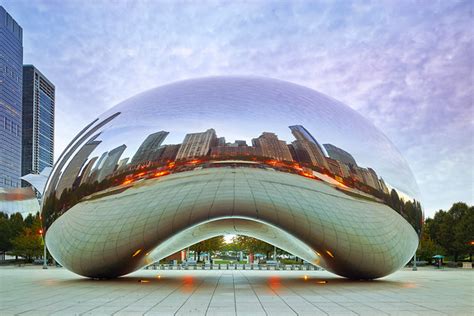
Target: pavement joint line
[[32, 291], [212, 296], [256, 295], [187, 299], [170, 293], [302, 297], [235, 298]]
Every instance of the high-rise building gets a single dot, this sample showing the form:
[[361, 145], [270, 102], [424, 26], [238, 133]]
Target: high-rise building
[[338, 168], [169, 152], [197, 144], [110, 162], [340, 154], [383, 186], [367, 176], [374, 179], [221, 141], [233, 151], [11, 73], [87, 170], [38, 121], [150, 149], [270, 146], [306, 142], [122, 164], [298, 153], [240, 143], [71, 172], [96, 169]]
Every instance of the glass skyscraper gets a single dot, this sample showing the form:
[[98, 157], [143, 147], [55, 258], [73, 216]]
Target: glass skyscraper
[[11, 73], [38, 121]]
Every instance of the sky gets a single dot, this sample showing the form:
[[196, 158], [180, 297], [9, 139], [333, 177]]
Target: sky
[[407, 66]]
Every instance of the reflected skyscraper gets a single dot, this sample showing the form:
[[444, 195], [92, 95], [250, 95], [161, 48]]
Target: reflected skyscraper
[[87, 170], [71, 172], [340, 154], [150, 149], [197, 144], [95, 170], [338, 168], [270, 146], [11, 73], [170, 152], [38, 121], [110, 162], [306, 142]]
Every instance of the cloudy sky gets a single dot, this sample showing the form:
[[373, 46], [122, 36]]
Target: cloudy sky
[[405, 65]]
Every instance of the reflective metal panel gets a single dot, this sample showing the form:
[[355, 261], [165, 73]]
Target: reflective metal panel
[[217, 149]]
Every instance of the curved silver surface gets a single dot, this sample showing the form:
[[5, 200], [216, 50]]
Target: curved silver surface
[[252, 156]]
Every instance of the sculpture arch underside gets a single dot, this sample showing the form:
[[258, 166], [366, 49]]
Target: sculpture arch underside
[[113, 233]]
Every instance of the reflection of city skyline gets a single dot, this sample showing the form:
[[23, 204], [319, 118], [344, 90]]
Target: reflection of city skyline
[[302, 156], [304, 150]]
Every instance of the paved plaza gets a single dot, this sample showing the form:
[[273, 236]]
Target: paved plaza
[[56, 291]]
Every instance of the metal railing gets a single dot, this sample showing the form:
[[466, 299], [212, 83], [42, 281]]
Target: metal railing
[[233, 266]]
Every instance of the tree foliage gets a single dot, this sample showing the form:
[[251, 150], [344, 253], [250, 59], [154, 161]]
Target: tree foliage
[[208, 245], [252, 245], [453, 230], [21, 237]]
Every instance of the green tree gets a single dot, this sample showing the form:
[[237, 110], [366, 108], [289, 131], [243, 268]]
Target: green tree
[[253, 245], [208, 245], [5, 234], [427, 247], [453, 230], [29, 243]]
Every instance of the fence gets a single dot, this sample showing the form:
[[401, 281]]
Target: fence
[[234, 266]]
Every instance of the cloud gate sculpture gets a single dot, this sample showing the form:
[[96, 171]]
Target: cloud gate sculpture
[[231, 155]]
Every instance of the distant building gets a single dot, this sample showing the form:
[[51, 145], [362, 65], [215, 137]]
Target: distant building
[[338, 168], [340, 154], [38, 121], [197, 144], [110, 162], [374, 179], [86, 172], [150, 149], [170, 152], [230, 151], [270, 146], [11, 80], [305, 142], [365, 176], [122, 163], [71, 173], [95, 171], [383, 186], [221, 141], [346, 170], [299, 153]]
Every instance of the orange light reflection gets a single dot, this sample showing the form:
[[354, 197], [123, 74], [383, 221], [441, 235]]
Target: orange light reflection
[[274, 282]]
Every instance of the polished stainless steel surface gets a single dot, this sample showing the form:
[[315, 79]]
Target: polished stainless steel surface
[[244, 155]]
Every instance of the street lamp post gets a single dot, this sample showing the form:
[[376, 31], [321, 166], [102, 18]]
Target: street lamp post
[[45, 260]]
